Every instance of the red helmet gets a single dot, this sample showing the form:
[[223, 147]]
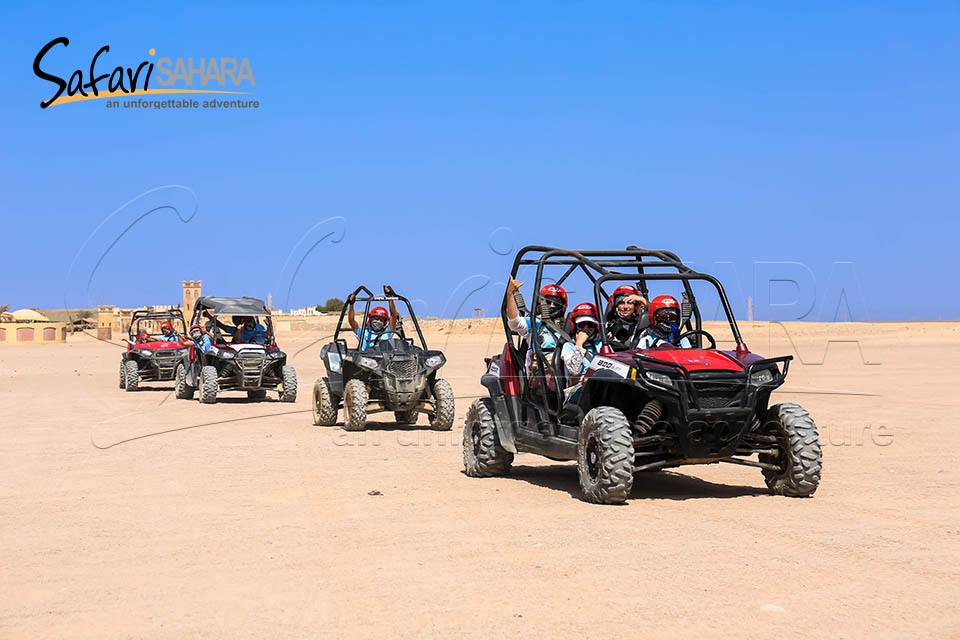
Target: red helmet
[[556, 308], [657, 308], [554, 290], [194, 328], [379, 312], [166, 325], [582, 311], [622, 290]]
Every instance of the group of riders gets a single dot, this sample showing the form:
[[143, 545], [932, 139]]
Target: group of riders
[[631, 323], [626, 325], [245, 329]]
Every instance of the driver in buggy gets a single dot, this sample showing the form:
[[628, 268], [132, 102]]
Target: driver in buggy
[[664, 325], [380, 326], [246, 329], [167, 334]]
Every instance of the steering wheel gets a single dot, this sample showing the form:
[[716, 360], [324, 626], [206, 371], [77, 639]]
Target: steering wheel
[[713, 343]]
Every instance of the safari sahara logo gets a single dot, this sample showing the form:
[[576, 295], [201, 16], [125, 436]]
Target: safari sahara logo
[[165, 76]]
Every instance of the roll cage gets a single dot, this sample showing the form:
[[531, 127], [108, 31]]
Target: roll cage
[[632, 264], [222, 307], [139, 318], [369, 299]]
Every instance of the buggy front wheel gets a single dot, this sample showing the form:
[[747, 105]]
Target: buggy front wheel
[[208, 384], [182, 390], [132, 377], [800, 459], [289, 393], [443, 409], [324, 407], [355, 405], [605, 456]]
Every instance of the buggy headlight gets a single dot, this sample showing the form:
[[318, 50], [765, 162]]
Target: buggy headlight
[[276, 354], [659, 378], [761, 377], [146, 352], [334, 360], [433, 361], [227, 354], [367, 363]]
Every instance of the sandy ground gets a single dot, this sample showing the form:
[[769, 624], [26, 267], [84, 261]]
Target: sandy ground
[[138, 515]]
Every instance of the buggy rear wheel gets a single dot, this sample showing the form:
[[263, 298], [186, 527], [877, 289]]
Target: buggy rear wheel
[[208, 384], [123, 374], [483, 455], [443, 408], [406, 417], [355, 405], [182, 390], [132, 377], [800, 459], [324, 408], [289, 393], [605, 456]]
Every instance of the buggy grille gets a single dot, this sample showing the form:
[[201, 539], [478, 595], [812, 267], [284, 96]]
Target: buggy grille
[[167, 360], [251, 367], [717, 395], [403, 367]]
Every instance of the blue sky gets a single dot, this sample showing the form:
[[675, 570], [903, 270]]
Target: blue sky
[[730, 133]]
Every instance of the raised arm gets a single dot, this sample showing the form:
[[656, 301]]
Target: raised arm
[[512, 287], [393, 316], [351, 317]]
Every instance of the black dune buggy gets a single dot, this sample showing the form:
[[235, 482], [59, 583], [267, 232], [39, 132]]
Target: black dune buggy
[[638, 410], [254, 367], [150, 359], [393, 374]]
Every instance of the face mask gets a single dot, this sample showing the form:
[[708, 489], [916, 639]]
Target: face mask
[[377, 325], [196, 335], [550, 307]]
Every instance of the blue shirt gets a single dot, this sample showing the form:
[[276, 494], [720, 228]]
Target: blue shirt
[[548, 341], [204, 343], [170, 338], [370, 338], [650, 340], [255, 335]]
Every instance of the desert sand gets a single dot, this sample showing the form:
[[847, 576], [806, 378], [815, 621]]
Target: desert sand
[[139, 515]]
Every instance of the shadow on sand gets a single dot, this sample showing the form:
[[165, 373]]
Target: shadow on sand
[[655, 485]]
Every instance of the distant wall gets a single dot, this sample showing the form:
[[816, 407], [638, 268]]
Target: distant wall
[[33, 333]]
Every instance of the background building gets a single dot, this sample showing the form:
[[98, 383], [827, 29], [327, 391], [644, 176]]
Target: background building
[[27, 326], [191, 291]]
